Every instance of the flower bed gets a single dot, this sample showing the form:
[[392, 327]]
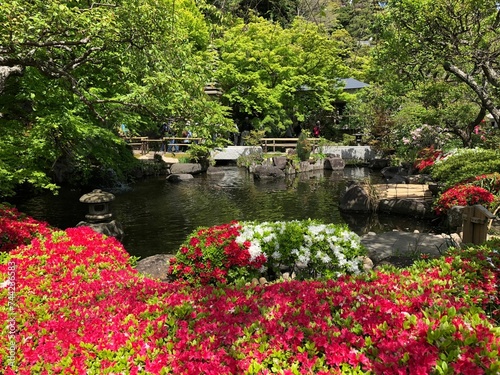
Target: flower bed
[[80, 308], [240, 251]]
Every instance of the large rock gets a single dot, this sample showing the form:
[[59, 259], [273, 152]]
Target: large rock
[[186, 168], [111, 229], [390, 172], [155, 266], [408, 207], [268, 171], [454, 219], [334, 164], [378, 163], [179, 177], [356, 199], [280, 162], [397, 179], [215, 171], [418, 179], [406, 244]]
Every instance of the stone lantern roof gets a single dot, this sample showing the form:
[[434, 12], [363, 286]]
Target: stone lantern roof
[[98, 202], [97, 196]]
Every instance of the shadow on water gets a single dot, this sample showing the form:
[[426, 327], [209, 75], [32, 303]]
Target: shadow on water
[[157, 216]]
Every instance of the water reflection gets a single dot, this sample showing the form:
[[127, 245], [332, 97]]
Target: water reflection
[[157, 216]]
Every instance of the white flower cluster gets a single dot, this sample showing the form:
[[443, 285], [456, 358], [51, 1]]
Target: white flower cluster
[[251, 233], [304, 244], [303, 255]]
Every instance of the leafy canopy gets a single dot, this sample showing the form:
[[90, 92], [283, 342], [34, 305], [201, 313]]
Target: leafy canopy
[[279, 76]]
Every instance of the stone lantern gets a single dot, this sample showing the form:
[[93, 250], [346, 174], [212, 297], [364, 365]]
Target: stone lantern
[[99, 216], [99, 205], [359, 138]]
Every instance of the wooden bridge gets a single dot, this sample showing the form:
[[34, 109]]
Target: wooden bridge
[[402, 191]]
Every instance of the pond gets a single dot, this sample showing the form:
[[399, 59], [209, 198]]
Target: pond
[[157, 216]]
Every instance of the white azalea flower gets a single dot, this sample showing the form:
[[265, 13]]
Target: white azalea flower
[[323, 257], [254, 250]]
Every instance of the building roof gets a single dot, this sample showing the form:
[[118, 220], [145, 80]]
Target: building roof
[[353, 84]]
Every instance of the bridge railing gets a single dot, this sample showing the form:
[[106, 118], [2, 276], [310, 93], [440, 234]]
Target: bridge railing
[[145, 144], [272, 144]]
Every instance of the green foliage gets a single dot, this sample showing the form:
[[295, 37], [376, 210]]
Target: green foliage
[[465, 164], [348, 139], [424, 41], [253, 138], [254, 157], [276, 75], [304, 147]]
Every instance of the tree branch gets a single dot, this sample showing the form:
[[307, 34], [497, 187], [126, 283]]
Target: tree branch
[[480, 91]]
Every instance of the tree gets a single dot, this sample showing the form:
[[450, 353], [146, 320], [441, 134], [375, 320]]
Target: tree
[[279, 77], [73, 71], [462, 38]]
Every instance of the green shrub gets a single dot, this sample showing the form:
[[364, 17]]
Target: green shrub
[[464, 165], [304, 147], [253, 137], [348, 139], [253, 157]]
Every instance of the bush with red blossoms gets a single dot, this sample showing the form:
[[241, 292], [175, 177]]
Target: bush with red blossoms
[[426, 158], [462, 195], [80, 308], [490, 182], [212, 255]]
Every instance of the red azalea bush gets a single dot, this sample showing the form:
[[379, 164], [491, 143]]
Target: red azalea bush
[[80, 308], [426, 158], [18, 229], [212, 255], [462, 195]]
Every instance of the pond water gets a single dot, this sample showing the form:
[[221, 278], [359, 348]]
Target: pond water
[[157, 216]]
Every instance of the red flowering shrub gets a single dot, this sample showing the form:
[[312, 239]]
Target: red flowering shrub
[[18, 229], [79, 308], [212, 255], [426, 158], [462, 195]]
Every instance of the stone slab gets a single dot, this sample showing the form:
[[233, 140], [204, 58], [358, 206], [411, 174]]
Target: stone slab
[[388, 244]]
